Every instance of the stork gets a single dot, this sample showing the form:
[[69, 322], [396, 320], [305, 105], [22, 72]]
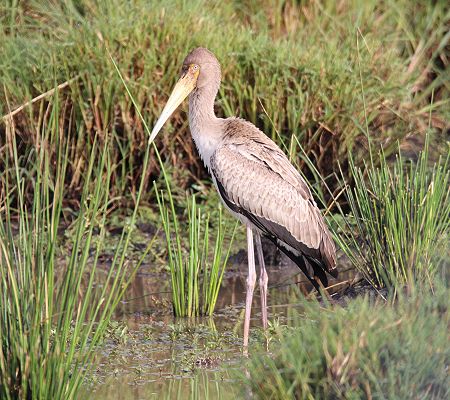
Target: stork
[[255, 181]]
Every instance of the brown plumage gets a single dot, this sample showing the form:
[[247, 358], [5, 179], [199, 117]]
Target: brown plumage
[[255, 180]]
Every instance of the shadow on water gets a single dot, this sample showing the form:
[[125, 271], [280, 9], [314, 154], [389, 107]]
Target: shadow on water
[[150, 354]]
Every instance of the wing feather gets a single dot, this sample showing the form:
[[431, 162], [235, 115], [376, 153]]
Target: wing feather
[[257, 178]]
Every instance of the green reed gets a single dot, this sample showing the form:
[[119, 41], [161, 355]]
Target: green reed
[[53, 313], [397, 232], [196, 272]]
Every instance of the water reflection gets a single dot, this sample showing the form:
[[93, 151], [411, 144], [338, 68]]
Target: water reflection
[[159, 356], [150, 294], [203, 385]]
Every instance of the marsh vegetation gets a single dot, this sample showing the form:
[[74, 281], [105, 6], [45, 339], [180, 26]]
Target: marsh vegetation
[[102, 235]]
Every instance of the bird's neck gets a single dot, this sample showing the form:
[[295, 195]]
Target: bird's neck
[[201, 106], [204, 125]]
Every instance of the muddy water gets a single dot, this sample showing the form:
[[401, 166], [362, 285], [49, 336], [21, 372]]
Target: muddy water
[[150, 355]]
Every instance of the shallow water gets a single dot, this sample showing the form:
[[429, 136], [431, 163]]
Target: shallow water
[[149, 354]]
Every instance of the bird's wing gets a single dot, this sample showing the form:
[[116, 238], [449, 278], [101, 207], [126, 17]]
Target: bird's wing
[[256, 179]]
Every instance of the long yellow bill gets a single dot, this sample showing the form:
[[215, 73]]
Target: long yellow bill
[[183, 87]]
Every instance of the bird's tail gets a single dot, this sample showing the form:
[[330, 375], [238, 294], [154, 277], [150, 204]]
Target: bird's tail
[[310, 267]]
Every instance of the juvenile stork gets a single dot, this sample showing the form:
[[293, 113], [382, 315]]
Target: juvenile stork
[[255, 181]]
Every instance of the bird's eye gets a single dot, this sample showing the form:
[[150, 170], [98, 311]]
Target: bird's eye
[[195, 67]]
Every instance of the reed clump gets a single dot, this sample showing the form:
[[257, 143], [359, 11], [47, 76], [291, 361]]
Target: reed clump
[[196, 271], [397, 231], [53, 313]]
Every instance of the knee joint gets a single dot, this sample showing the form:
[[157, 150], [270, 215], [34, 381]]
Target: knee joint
[[251, 279]]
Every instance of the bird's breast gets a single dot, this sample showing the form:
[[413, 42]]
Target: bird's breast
[[206, 147]]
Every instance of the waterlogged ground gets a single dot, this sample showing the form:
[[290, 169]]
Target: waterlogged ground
[[148, 354]]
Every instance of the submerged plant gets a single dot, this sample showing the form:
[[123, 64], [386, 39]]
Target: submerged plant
[[400, 215], [196, 275]]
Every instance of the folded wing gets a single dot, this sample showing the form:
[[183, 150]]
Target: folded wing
[[256, 179]]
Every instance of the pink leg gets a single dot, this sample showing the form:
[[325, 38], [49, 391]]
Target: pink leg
[[251, 279], [263, 280]]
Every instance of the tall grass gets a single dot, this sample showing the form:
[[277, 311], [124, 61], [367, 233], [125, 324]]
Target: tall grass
[[362, 351], [53, 309], [397, 232], [298, 61], [196, 274]]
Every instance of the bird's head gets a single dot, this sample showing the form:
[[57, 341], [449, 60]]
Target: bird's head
[[200, 69], [207, 65]]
